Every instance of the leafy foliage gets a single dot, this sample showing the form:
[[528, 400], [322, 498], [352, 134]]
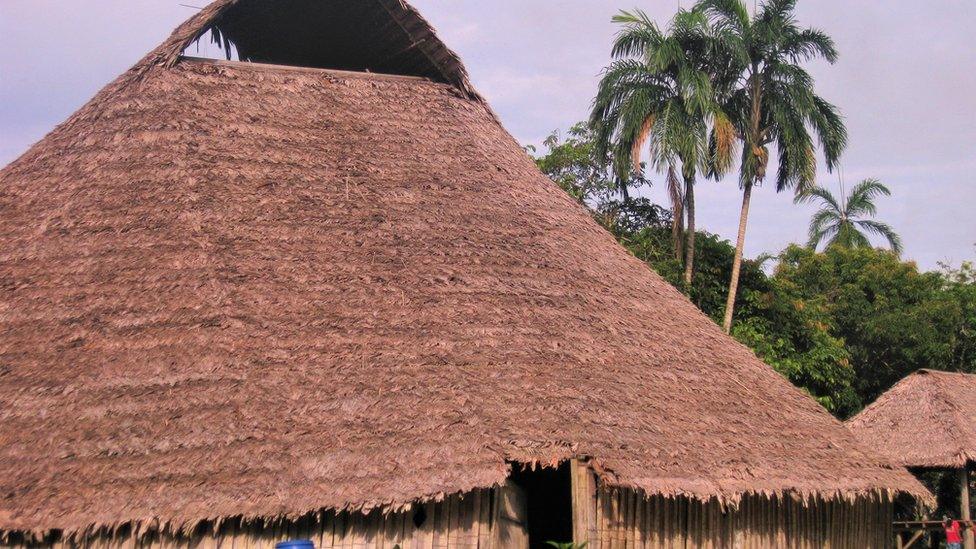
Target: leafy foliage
[[572, 162], [843, 222], [580, 168], [575, 164], [769, 99], [653, 245], [767, 94], [656, 92], [795, 333], [844, 325], [892, 318]]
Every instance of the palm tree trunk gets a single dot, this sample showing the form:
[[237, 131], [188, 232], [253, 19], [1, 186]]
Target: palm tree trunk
[[677, 213], [753, 142], [690, 242], [737, 260], [678, 233]]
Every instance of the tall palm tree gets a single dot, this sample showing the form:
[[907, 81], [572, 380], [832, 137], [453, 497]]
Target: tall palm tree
[[842, 223], [771, 101], [658, 92]]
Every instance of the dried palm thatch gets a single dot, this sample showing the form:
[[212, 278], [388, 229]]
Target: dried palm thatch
[[927, 420], [240, 290]]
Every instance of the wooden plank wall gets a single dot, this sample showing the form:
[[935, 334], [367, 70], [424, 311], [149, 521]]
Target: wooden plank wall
[[607, 518], [510, 523], [584, 493], [457, 522], [626, 519]]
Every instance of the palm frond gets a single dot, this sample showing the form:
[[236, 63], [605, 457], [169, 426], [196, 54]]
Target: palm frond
[[848, 236], [861, 200], [657, 94], [625, 86], [724, 139], [826, 233], [883, 230], [777, 10], [825, 196], [730, 14], [638, 35], [809, 44], [797, 164], [823, 222], [831, 131]]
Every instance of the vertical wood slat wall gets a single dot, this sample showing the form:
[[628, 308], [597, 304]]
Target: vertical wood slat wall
[[606, 518], [625, 519], [457, 522]]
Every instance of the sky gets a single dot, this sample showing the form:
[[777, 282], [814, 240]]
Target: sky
[[905, 81]]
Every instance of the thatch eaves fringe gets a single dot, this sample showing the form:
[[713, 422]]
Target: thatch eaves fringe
[[141, 529]]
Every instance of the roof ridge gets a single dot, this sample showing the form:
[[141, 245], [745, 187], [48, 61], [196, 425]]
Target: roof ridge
[[272, 67], [937, 372]]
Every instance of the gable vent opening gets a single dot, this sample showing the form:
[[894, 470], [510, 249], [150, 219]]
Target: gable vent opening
[[379, 36]]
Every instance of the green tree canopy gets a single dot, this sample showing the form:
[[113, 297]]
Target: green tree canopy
[[892, 318], [573, 162]]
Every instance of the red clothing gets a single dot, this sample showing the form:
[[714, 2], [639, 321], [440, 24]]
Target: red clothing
[[953, 533]]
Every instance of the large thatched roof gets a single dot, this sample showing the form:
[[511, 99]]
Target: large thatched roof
[[237, 289], [927, 420]]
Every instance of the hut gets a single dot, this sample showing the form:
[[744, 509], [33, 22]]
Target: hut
[[319, 292], [926, 421]]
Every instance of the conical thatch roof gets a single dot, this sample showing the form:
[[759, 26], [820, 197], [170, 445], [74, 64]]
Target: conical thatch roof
[[235, 289], [927, 420]]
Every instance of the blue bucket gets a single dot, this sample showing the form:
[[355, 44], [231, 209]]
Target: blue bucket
[[296, 544]]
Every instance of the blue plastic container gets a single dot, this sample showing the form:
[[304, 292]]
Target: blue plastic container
[[296, 544]]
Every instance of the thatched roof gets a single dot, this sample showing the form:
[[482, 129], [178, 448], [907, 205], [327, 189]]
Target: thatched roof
[[235, 289], [927, 420]]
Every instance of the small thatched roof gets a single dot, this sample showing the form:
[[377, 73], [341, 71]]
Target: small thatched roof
[[927, 420], [236, 289]]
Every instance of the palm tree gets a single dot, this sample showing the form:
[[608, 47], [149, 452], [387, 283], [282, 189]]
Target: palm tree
[[658, 92], [771, 101], [842, 223]]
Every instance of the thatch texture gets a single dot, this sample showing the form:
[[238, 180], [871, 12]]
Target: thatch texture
[[239, 290], [926, 420]]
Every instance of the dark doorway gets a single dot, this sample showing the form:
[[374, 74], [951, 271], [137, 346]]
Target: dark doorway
[[549, 503]]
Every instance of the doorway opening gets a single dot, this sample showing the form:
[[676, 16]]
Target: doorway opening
[[548, 503]]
